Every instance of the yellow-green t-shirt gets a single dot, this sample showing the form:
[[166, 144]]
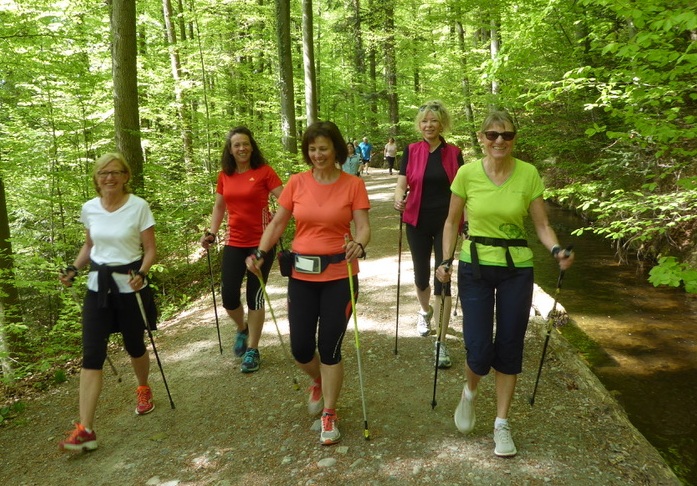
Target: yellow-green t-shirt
[[497, 211]]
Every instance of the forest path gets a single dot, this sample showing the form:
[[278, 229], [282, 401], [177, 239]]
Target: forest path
[[229, 428]]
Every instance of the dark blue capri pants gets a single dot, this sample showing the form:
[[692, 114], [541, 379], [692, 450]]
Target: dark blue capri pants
[[318, 313], [234, 270], [121, 315], [509, 291]]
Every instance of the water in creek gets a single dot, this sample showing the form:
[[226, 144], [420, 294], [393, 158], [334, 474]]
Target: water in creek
[[641, 341]]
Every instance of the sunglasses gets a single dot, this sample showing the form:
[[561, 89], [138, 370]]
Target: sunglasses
[[431, 107], [492, 135]]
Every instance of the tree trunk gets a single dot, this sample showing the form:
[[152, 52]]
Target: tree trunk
[[466, 92], [10, 310], [285, 60], [309, 63], [494, 47], [124, 72], [182, 111], [391, 69]]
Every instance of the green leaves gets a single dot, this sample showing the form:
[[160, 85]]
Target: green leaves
[[672, 273]]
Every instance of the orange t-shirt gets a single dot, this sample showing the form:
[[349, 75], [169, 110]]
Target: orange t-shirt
[[246, 198], [323, 215]]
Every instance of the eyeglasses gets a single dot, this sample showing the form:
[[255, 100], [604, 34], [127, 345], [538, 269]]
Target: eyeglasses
[[492, 135], [430, 107], [103, 174]]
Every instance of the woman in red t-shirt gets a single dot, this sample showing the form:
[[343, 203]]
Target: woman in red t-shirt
[[324, 202], [243, 189]]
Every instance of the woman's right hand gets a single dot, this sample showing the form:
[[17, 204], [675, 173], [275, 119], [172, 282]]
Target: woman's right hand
[[67, 277], [400, 205], [207, 240]]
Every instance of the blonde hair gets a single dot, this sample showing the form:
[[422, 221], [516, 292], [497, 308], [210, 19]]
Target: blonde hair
[[105, 160], [438, 110]]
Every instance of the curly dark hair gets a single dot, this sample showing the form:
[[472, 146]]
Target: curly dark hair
[[227, 161]]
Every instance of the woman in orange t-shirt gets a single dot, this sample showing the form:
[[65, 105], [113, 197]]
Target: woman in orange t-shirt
[[324, 201], [243, 189]]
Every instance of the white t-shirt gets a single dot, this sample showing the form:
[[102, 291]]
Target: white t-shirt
[[116, 235]]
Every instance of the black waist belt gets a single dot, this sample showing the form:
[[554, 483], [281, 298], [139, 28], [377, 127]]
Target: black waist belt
[[105, 282], [500, 242], [315, 263]]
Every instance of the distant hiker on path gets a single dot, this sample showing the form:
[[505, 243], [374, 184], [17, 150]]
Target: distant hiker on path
[[366, 150]]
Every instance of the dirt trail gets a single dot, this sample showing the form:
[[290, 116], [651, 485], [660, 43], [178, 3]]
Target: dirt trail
[[230, 429]]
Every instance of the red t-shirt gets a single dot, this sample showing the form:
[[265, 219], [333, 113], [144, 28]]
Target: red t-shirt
[[246, 198], [323, 215]]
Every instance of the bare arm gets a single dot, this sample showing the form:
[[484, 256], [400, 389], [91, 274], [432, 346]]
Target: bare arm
[[271, 235], [147, 239], [82, 259], [546, 234], [450, 230], [399, 193], [362, 236], [217, 215]]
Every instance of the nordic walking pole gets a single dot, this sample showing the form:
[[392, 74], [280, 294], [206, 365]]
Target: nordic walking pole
[[399, 272], [366, 430], [444, 289], [550, 324], [111, 363], [435, 374], [152, 342], [215, 306], [278, 331]]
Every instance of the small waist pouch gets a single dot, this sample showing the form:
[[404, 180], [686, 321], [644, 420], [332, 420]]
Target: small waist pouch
[[285, 262], [316, 263]]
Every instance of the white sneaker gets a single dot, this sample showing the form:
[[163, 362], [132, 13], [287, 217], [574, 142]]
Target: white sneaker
[[464, 414], [443, 356], [423, 322], [504, 442]]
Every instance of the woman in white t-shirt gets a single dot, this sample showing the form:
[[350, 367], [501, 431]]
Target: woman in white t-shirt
[[120, 249], [390, 153]]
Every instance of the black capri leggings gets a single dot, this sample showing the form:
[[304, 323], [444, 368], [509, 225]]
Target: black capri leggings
[[424, 238], [121, 315], [233, 272], [318, 313]]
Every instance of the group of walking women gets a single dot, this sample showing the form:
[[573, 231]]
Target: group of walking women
[[434, 190]]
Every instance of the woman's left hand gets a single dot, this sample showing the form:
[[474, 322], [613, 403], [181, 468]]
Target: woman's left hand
[[137, 281], [443, 273], [354, 250]]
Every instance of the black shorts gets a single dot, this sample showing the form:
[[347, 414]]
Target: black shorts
[[122, 315]]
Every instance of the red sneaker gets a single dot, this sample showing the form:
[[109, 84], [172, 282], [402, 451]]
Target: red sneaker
[[315, 402], [79, 440], [145, 404]]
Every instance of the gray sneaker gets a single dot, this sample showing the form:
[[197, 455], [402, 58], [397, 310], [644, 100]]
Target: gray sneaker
[[504, 442], [464, 414], [443, 356], [423, 322]]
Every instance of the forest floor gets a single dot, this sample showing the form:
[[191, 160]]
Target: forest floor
[[230, 428]]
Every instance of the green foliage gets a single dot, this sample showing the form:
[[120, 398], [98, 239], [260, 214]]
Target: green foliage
[[11, 411], [672, 273]]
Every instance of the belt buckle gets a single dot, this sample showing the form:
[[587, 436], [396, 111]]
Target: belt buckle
[[308, 264]]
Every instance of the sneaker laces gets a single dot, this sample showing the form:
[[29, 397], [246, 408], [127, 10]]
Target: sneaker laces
[[503, 434], [328, 421], [144, 395]]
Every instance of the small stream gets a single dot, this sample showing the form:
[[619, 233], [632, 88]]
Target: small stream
[[641, 341]]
